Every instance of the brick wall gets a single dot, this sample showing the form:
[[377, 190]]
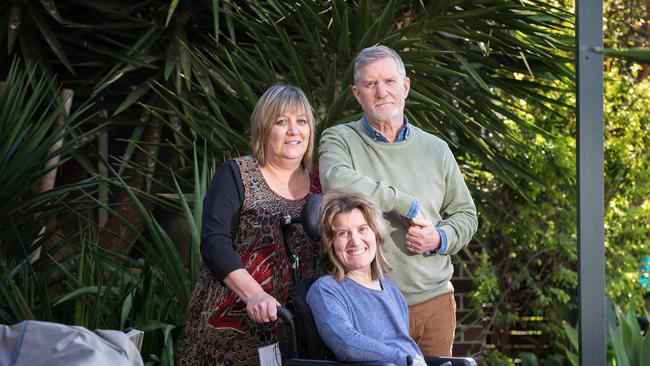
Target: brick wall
[[470, 332]]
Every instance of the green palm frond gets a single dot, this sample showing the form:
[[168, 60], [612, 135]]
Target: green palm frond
[[641, 54], [27, 116], [469, 64]]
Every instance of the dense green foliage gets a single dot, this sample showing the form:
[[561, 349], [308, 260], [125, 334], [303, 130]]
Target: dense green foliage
[[627, 138], [535, 246], [536, 275], [627, 154], [173, 84]]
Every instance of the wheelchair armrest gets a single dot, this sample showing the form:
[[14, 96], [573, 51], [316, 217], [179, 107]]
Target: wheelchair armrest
[[455, 361], [309, 362]]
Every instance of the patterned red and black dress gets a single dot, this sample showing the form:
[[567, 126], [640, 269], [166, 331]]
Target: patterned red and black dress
[[218, 330]]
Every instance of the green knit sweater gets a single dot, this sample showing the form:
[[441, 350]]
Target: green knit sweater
[[392, 175]]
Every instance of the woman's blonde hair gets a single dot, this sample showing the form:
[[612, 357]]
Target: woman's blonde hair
[[335, 203], [275, 101]]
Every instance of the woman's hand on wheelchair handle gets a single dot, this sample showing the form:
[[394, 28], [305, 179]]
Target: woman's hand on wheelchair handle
[[262, 307]]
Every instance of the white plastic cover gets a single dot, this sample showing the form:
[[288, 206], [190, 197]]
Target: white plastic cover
[[37, 343]]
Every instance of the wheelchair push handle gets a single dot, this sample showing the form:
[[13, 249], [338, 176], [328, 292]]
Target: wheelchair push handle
[[285, 314], [287, 318]]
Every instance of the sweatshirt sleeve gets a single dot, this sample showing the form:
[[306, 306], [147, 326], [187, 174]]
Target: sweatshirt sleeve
[[337, 331], [337, 173], [220, 221], [458, 212]]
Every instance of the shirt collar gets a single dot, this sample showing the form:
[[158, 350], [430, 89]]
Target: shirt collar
[[373, 134]]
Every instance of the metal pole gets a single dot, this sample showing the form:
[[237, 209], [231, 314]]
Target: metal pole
[[590, 170]]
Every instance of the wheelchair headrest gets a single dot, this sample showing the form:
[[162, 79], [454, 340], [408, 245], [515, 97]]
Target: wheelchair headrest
[[309, 217]]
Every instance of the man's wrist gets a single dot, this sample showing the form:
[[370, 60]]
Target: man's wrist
[[442, 245]]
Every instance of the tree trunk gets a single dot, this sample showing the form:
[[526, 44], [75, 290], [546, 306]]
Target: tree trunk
[[48, 181]]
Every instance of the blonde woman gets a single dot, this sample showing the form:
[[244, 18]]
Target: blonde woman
[[245, 275]]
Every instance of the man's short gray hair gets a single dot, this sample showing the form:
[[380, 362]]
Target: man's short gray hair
[[374, 53]]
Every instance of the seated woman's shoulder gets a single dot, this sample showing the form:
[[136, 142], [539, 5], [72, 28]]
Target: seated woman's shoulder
[[325, 280], [324, 284]]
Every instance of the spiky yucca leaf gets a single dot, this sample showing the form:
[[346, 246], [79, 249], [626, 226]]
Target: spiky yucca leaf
[[29, 105], [468, 62]]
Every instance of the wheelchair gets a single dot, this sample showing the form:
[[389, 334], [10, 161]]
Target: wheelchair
[[303, 346]]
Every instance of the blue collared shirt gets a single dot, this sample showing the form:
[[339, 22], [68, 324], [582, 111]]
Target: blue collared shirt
[[372, 133], [403, 135]]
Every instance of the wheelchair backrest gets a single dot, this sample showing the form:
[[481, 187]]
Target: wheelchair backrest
[[309, 216], [310, 345]]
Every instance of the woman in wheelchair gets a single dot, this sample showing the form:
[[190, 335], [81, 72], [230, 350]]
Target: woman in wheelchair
[[359, 314]]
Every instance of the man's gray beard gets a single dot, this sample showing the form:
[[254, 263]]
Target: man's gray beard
[[384, 117]]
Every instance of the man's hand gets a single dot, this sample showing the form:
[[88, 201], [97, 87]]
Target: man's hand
[[262, 307], [421, 237]]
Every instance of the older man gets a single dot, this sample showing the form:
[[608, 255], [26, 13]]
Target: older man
[[414, 178]]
